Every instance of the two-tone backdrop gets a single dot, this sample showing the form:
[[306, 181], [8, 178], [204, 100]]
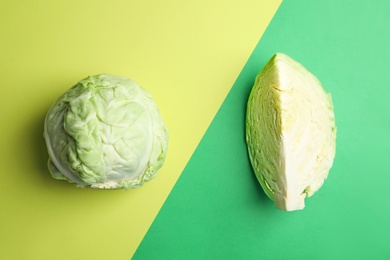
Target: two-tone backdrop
[[199, 60]]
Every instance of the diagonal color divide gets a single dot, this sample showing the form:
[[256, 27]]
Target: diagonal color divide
[[186, 53], [217, 209]]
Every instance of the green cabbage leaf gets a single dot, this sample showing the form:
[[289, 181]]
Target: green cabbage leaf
[[105, 132]]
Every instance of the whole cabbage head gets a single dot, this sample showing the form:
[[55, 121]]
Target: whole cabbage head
[[105, 132], [290, 132]]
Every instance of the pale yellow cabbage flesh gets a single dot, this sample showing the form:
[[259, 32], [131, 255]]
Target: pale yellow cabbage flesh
[[290, 132]]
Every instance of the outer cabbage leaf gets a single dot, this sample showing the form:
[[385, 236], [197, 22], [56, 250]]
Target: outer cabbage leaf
[[290, 132], [105, 132]]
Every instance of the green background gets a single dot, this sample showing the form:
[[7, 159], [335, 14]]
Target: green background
[[217, 209]]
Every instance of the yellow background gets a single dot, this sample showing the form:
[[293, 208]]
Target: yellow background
[[186, 53]]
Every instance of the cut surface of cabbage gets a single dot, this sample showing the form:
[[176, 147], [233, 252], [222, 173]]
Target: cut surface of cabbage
[[290, 132]]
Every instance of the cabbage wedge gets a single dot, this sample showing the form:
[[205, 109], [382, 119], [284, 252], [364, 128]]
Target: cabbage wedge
[[290, 132]]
